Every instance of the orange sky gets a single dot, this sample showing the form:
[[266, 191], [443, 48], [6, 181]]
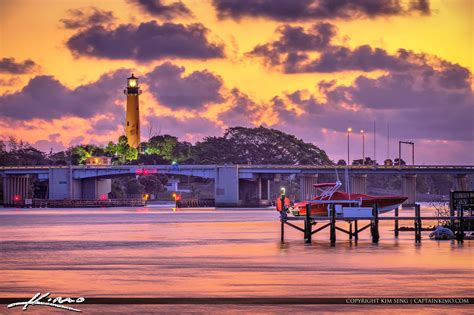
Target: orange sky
[[32, 29]]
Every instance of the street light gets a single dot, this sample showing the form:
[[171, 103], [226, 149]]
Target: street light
[[363, 146], [349, 130]]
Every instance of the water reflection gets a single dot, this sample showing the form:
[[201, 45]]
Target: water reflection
[[157, 252]]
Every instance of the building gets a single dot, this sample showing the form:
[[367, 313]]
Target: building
[[99, 160], [132, 124]]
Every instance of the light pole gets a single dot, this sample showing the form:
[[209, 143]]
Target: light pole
[[349, 130], [363, 146]]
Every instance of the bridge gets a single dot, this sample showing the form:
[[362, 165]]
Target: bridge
[[230, 181]]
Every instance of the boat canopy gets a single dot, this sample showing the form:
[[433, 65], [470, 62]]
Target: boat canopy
[[324, 185]]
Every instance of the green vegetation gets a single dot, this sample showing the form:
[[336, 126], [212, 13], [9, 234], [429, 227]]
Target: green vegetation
[[238, 145]]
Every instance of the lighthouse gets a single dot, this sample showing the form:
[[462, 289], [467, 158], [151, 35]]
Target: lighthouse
[[132, 124]]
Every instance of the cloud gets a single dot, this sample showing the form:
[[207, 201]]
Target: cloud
[[109, 123], [294, 39], [49, 145], [158, 9], [10, 66], [419, 107], [10, 81], [244, 110], [46, 98], [312, 50], [145, 42], [335, 59], [172, 88], [189, 129], [81, 18], [302, 10]]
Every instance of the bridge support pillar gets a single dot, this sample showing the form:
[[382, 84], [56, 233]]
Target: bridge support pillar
[[359, 183], [264, 191], [409, 189], [16, 188], [307, 190], [226, 186], [461, 182], [95, 188]]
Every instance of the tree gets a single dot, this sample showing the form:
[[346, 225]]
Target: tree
[[169, 148], [134, 187], [367, 161], [398, 162], [122, 151], [151, 183], [260, 145], [22, 153], [59, 158], [341, 162]]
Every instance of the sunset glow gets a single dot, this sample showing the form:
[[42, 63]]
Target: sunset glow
[[207, 65]]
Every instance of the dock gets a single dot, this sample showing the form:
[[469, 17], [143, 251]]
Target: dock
[[458, 222]]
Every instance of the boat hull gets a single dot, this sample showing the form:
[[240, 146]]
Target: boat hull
[[385, 203]]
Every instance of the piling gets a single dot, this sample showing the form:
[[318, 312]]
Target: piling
[[396, 222], [350, 230], [356, 231], [417, 224], [460, 233], [333, 225], [282, 218], [308, 226], [375, 224]]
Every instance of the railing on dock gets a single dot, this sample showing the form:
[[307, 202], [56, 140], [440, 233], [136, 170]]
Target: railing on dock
[[195, 203], [84, 203], [458, 222]]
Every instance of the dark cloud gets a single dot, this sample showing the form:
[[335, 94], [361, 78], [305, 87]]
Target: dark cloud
[[294, 10], [110, 123], [145, 42], [172, 88], [295, 39], [10, 81], [44, 97], [300, 50], [189, 129], [417, 107], [335, 59], [158, 9], [49, 145], [9, 65], [80, 18], [243, 111]]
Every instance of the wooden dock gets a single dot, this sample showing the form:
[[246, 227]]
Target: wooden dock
[[372, 222]]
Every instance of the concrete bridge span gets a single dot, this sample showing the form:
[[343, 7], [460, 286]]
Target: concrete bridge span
[[233, 184]]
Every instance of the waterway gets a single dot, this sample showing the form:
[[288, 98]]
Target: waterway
[[155, 252]]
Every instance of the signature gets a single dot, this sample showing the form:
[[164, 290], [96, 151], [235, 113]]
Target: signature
[[45, 300]]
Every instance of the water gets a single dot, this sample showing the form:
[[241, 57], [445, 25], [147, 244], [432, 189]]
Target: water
[[155, 252]]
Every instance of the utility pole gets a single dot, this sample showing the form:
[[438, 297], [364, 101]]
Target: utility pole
[[375, 135], [349, 130]]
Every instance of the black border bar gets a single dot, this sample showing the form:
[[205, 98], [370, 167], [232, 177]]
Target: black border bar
[[260, 301]]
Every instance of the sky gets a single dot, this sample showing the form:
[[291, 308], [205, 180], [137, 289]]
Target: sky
[[312, 68]]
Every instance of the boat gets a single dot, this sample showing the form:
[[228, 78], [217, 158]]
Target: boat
[[330, 191]]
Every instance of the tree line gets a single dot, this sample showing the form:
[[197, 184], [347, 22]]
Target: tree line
[[238, 145]]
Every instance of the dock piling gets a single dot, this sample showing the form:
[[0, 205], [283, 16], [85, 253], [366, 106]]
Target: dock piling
[[417, 224], [460, 233], [282, 218], [356, 231], [396, 222], [333, 225], [375, 224], [350, 230], [307, 224]]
